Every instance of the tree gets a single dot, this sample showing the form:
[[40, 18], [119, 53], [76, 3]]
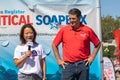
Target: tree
[[108, 25]]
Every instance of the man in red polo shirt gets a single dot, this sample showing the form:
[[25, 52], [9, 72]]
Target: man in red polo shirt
[[75, 39]]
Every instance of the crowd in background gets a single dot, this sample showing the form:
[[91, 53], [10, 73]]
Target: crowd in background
[[116, 64]]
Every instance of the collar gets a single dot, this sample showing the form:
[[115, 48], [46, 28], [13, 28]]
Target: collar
[[79, 29]]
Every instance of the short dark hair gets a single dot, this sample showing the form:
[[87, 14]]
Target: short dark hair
[[22, 33], [75, 11]]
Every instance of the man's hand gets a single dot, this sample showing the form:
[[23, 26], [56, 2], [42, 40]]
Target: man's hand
[[61, 63]]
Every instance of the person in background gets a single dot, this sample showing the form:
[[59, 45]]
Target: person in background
[[75, 39], [117, 74], [29, 56]]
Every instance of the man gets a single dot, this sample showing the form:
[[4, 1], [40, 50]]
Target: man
[[75, 39]]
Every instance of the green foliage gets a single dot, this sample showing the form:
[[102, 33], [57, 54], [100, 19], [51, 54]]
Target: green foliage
[[108, 25], [108, 51]]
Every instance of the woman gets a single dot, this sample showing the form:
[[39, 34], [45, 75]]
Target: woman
[[29, 56]]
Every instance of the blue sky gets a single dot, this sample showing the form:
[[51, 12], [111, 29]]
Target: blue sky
[[110, 7]]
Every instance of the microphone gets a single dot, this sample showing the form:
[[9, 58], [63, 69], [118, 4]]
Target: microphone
[[29, 44]]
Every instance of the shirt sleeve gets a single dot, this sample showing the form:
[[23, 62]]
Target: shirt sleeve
[[58, 38], [42, 51], [94, 38], [17, 52]]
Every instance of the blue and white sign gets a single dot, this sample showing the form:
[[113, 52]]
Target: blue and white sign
[[47, 16]]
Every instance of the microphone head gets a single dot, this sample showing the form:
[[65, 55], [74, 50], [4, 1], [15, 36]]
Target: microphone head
[[30, 43]]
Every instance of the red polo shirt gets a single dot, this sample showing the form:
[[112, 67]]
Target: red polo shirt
[[76, 44]]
